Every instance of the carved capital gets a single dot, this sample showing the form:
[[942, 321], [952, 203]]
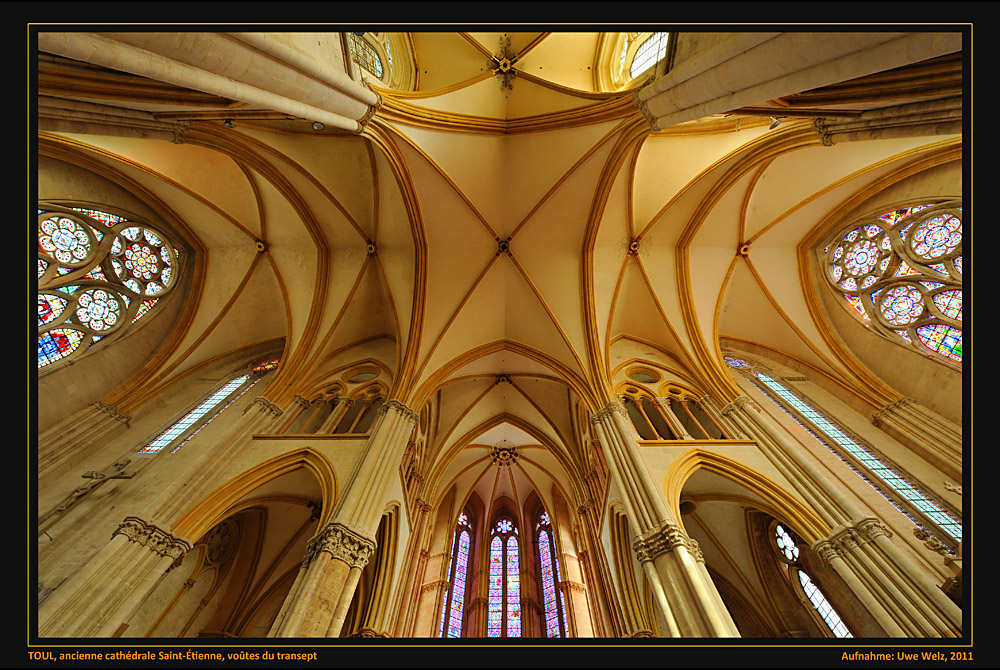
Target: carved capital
[[585, 508], [439, 585], [744, 403], [113, 412], [868, 529], [342, 543], [265, 406], [664, 539], [642, 632], [826, 552], [399, 407], [931, 542], [644, 108], [153, 538], [568, 586], [613, 406]]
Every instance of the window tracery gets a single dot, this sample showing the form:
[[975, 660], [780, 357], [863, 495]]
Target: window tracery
[[885, 478], [453, 605], [788, 553], [98, 273], [192, 422], [365, 55], [901, 271], [650, 51], [503, 618]]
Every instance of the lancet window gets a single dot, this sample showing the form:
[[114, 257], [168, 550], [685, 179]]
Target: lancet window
[[788, 553], [503, 618], [98, 273], [650, 51], [901, 272], [553, 606], [364, 55], [453, 606], [883, 476], [194, 420]]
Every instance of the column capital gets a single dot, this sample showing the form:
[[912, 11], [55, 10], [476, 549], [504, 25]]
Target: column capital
[[438, 585], [740, 403], [152, 537], [845, 539], [399, 407], [343, 543], [113, 412], [611, 407], [665, 538], [265, 406]]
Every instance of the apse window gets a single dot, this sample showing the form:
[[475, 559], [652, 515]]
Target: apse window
[[503, 618], [458, 568]]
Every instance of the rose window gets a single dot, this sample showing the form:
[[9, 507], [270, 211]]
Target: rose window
[[901, 271], [97, 273]]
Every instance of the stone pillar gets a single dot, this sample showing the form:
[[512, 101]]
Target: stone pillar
[[414, 564], [900, 595], [331, 421], [593, 565], [675, 423], [682, 589], [100, 597], [64, 443], [937, 440], [340, 551], [574, 595]]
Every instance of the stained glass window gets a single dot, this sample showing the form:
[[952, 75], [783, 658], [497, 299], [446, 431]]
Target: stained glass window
[[788, 549], [97, 274], [873, 469], [503, 616], [453, 602], [553, 608], [902, 272], [191, 423], [649, 52], [364, 55]]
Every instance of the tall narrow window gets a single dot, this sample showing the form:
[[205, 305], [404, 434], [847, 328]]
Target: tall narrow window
[[901, 271], [189, 425], [98, 273], [504, 613], [554, 609], [458, 569], [364, 55], [649, 53], [890, 484], [788, 552]]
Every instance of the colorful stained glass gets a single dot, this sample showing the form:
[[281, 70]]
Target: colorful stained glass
[[102, 217], [736, 362], [822, 605], [98, 309], [42, 266], [49, 307], [181, 426], [958, 264], [900, 214], [901, 305], [494, 616], [904, 270], [513, 589], [937, 236], [549, 598], [860, 454], [56, 344], [943, 339], [458, 591], [857, 304], [64, 239], [270, 365], [861, 258], [144, 308]]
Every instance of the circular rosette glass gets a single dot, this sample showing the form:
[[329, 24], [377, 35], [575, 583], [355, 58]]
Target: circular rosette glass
[[142, 260], [901, 305], [936, 237], [860, 258], [98, 309], [786, 545], [65, 240]]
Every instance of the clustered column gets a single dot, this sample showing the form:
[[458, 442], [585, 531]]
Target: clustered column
[[318, 602], [902, 598], [672, 561], [98, 599]]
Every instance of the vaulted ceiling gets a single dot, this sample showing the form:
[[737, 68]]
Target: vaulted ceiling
[[526, 226]]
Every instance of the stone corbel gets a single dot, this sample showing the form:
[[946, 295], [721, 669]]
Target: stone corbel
[[264, 405], [402, 409]]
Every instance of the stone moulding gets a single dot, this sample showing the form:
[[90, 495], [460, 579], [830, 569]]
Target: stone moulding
[[155, 539]]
